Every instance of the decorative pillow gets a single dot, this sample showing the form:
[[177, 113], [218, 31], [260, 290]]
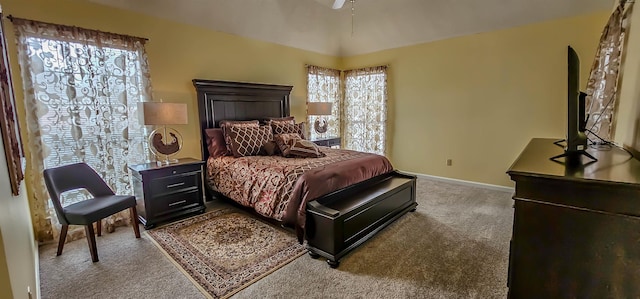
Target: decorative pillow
[[247, 141], [284, 140], [286, 120], [305, 148], [287, 128], [225, 124], [269, 149], [215, 143], [292, 146], [301, 130]]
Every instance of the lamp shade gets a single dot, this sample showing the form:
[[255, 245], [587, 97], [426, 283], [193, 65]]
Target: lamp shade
[[157, 113], [319, 108]]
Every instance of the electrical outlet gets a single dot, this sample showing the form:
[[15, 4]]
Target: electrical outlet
[[449, 162]]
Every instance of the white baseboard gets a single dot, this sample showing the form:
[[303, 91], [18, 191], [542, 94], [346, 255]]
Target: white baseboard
[[462, 182]]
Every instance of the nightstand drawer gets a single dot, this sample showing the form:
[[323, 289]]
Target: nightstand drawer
[[174, 171], [173, 202], [173, 184]]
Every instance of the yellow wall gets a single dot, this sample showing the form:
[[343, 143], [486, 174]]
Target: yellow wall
[[18, 249], [179, 53], [5, 279], [479, 99], [476, 99]]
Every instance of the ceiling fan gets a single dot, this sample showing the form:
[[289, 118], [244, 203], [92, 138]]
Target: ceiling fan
[[337, 4]]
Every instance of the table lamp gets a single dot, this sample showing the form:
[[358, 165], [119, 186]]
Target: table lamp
[[164, 142], [320, 109]]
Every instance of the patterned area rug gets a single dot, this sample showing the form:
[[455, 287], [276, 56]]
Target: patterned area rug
[[224, 251]]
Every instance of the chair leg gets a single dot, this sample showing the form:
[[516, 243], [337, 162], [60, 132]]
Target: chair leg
[[134, 220], [99, 227], [91, 238], [63, 237]]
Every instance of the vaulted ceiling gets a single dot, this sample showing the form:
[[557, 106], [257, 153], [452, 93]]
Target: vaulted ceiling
[[377, 24]]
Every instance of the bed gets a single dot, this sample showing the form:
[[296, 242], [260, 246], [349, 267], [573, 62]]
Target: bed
[[333, 201]]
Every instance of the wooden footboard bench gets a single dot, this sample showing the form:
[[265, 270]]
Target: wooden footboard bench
[[338, 223]]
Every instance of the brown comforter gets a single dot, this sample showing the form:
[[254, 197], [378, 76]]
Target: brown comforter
[[280, 188]]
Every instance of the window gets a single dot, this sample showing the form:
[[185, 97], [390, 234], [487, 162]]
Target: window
[[323, 85], [85, 120], [81, 93], [602, 86], [361, 117], [365, 110]]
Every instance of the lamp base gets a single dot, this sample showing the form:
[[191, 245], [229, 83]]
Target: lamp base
[[320, 126], [165, 143], [166, 161]]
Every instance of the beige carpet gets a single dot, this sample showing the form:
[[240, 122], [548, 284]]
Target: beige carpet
[[223, 251], [456, 245]]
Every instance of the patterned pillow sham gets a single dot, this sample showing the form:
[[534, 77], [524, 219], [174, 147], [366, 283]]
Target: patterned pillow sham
[[287, 128], [282, 120], [216, 144], [226, 124], [248, 141]]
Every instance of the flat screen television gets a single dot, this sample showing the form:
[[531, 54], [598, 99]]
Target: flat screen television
[[575, 144]]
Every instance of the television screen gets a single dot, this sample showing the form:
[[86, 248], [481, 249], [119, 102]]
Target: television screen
[[576, 141], [576, 137]]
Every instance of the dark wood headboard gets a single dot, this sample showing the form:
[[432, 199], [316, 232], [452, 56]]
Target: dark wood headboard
[[224, 100]]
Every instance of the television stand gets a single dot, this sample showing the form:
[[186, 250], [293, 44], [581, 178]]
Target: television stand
[[571, 154]]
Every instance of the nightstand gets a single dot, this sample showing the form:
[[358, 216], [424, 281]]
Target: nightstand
[[327, 141], [165, 192]]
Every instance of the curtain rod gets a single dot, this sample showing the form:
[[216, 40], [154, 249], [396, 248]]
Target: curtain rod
[[11, 18], [384, 65]]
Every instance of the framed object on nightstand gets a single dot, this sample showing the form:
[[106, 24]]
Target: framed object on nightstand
[[169, 191], [327, 141]]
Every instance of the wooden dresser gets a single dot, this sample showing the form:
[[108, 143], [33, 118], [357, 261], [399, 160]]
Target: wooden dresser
[[576, 230], [166, 192]]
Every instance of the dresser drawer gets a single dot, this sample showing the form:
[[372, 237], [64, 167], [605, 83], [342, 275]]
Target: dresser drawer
[[174, 184], [169, 203]]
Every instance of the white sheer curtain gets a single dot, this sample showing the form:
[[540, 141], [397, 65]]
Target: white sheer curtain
[[602, 86], [81, 92], [323, 85], [365, 110]]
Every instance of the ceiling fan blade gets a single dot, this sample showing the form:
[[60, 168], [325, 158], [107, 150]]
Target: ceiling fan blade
[[338, 4]]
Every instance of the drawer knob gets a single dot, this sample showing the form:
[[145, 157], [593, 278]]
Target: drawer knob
[[174, 172]]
